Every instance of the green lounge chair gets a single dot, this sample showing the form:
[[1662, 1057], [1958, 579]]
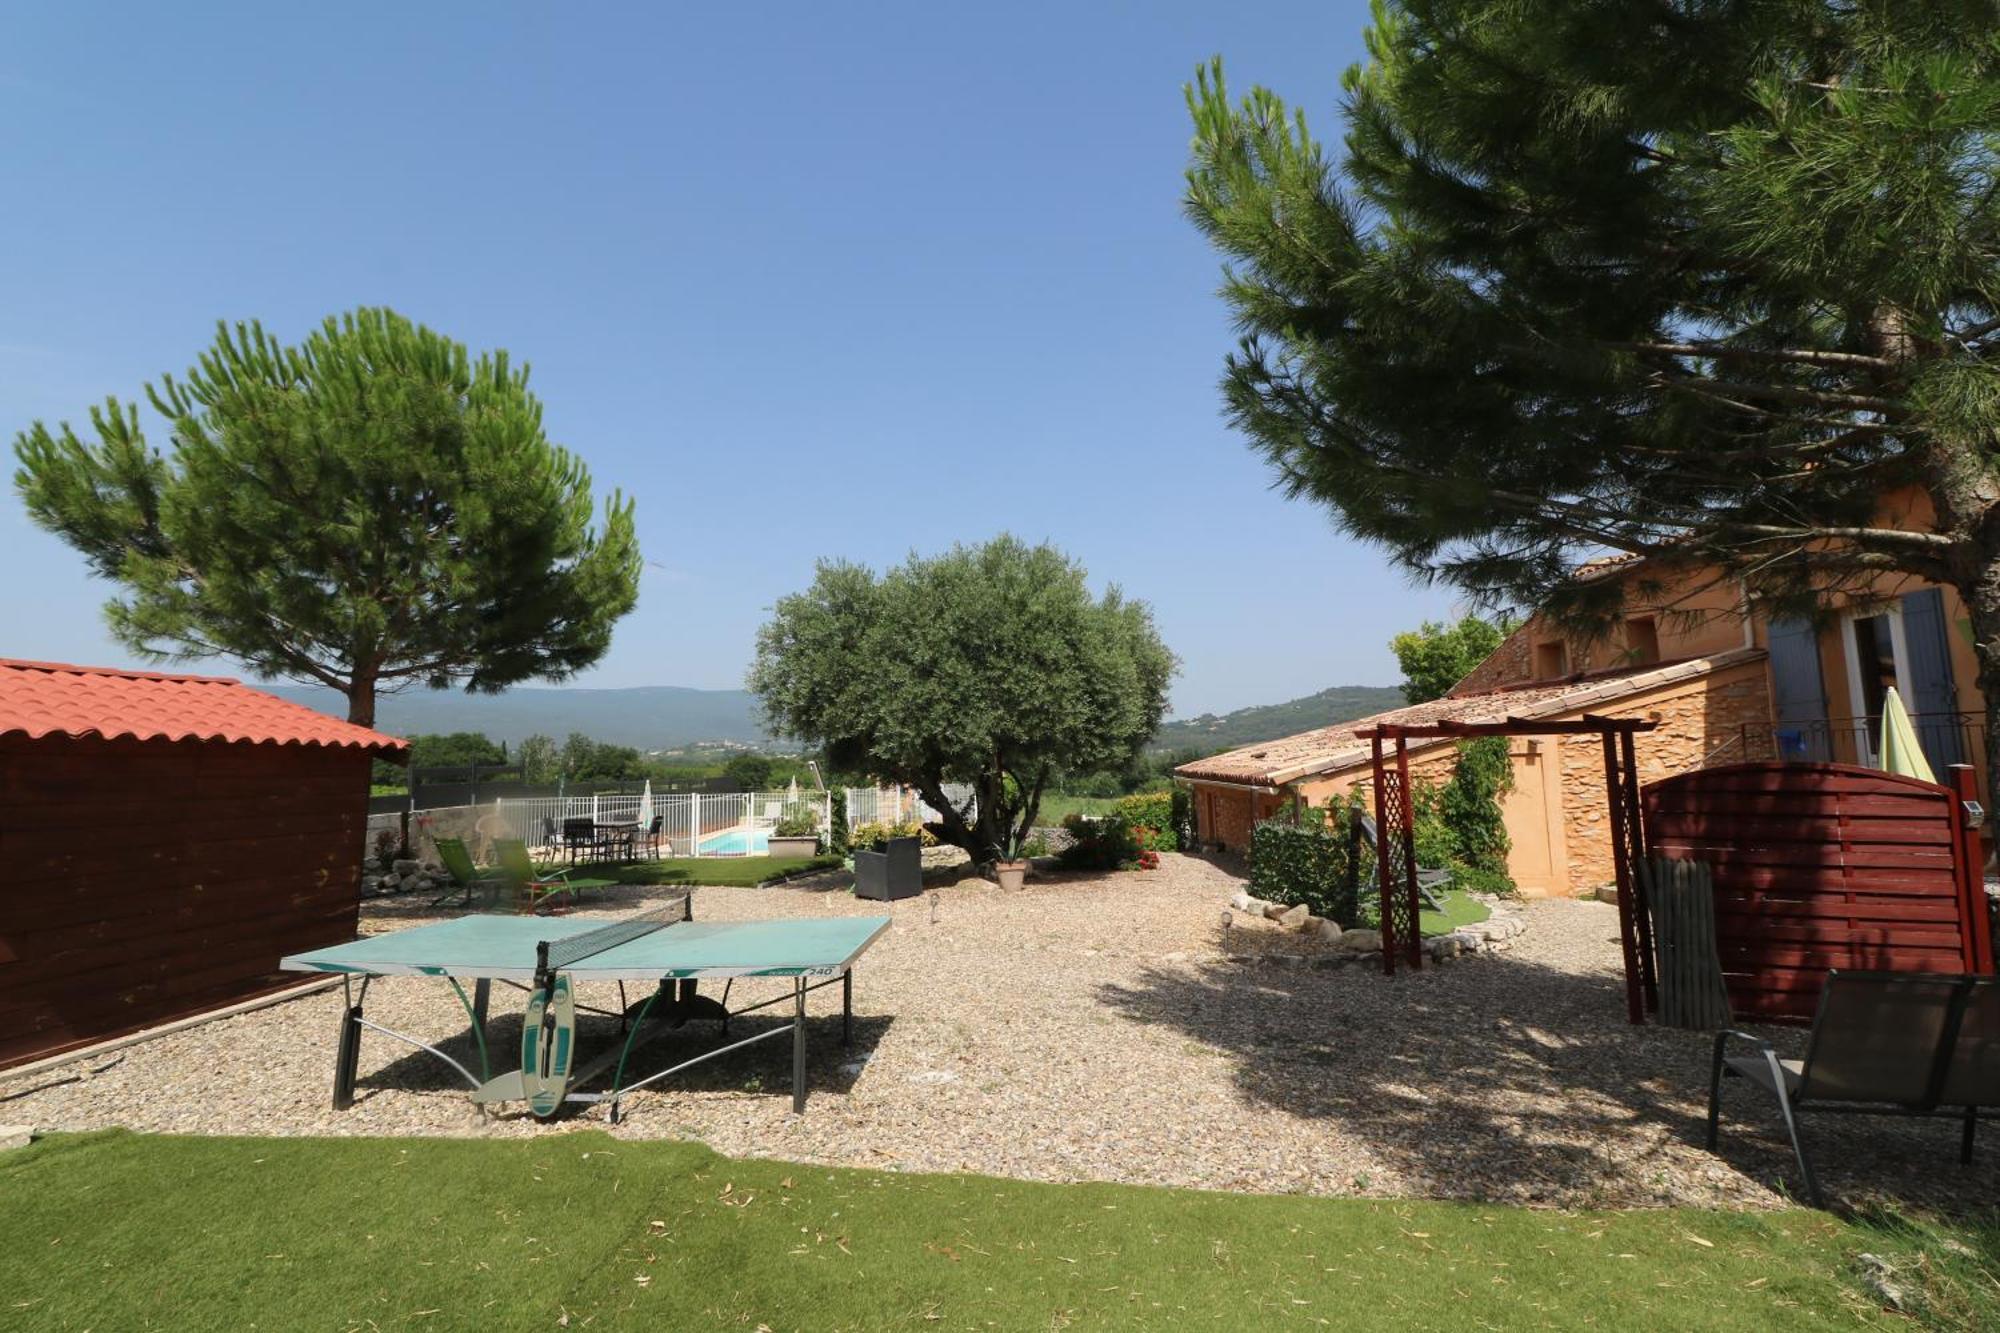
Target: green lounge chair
[[467, 880], [539, 885]]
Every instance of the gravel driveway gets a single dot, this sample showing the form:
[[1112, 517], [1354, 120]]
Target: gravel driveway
[[1098, 1028]]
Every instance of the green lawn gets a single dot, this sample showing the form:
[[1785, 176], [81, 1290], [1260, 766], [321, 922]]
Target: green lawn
[[1055, 808], [723, 871], [578, 1230], [1459, 910]]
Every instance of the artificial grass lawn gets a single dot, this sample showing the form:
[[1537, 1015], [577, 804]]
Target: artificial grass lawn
[[1459, 910], [721, 871], [576, 1229]]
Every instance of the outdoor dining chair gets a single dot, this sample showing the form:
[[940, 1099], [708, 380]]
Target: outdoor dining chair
[[1882, 1043], [579, 837]]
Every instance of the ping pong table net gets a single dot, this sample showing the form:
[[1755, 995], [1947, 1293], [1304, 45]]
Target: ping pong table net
[[555, 955]]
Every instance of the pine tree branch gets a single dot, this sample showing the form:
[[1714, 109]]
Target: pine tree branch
[[1728, 351]]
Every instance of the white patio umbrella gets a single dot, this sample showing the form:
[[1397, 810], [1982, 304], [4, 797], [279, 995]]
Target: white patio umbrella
[[646, 806]]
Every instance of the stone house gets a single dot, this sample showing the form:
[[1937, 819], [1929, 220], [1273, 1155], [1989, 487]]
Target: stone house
[[1724, 682]]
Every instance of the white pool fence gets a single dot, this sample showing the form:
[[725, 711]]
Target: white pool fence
[[691, 823]]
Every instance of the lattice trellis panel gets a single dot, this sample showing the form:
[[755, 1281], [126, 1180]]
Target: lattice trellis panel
[[1396, 870]]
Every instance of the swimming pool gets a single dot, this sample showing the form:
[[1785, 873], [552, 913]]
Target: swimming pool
[[737, 842]]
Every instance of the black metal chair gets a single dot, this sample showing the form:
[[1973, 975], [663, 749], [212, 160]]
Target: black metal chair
[[1882, 1043], [579, 837], [648, 837]]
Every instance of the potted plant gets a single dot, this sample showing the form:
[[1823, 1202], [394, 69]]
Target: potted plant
[[796, 835], [1011, 870]]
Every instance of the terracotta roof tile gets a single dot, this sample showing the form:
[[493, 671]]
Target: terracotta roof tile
[[56, 699], [1331, 749]]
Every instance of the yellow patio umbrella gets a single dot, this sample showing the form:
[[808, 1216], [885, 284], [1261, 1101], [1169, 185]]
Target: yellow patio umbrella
[[1900, 751]]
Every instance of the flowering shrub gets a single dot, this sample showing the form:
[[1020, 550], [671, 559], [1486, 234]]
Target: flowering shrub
[[1151, 815], [870, 837], [1106, 842]]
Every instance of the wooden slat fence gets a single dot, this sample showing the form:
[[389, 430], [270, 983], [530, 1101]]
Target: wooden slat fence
[[1819, 866]]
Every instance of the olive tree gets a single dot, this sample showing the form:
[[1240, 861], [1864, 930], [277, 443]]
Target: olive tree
[[991, 666]]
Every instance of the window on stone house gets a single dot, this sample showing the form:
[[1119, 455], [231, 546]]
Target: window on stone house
[[1551, 660], [1642, 640]]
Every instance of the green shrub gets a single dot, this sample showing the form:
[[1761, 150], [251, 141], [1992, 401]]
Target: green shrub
[[1101, 843], [1478, 879], [1152, 812], [1181, 817], [836, 834], [804, 824], [870, 837], [1470, 805], [1436, 844], [1305, 863]]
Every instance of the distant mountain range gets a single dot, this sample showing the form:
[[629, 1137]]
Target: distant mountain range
[[1266, 722], [670, 717], [648, 717]]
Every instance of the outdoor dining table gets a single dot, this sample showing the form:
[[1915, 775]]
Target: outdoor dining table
[[615, 837]]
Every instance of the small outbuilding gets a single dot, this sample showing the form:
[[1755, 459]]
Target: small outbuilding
[[164, 840]]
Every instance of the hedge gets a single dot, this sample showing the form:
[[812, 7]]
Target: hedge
[[1302, 863]]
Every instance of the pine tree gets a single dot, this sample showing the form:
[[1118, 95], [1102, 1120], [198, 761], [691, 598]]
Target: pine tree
[[368, 510], [1700, 281]]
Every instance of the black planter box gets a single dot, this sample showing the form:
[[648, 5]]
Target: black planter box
[[897, 871]]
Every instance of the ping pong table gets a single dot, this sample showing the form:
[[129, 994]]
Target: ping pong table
[[549, 958]]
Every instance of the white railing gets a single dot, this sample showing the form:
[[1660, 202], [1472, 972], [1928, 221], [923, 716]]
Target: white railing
[[690, 823]]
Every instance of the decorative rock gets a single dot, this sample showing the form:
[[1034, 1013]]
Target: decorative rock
[[1243, 902], [1275, 910], [1361, 941], [15, 1136], [1329, 929], [1443, 947], [1294, 918], [408, 867]]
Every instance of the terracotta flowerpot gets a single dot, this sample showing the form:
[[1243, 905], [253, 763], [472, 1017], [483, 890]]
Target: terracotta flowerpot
[[1011, 874]]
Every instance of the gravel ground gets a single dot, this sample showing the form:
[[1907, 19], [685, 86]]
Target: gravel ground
[[1101, 1028]]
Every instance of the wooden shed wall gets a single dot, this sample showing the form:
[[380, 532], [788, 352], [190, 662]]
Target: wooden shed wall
[[1821, 866], [141, 881]]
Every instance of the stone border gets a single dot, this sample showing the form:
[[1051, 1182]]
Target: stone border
[[1505, 923]]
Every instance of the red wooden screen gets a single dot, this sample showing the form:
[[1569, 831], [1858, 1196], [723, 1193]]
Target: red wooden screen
[[1820, 866]]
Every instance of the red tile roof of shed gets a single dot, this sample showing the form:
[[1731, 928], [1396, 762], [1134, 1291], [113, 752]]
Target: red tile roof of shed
[[56, 699]]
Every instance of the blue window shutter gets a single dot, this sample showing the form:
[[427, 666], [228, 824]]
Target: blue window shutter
[[1798, 691], [1934, 694]]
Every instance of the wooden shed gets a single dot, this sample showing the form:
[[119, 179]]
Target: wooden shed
[[164, 840]]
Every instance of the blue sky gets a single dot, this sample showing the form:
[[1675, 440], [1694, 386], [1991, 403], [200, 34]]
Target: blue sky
[[805, 280]]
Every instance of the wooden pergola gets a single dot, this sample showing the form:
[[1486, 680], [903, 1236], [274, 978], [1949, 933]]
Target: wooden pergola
[[1396, 865]]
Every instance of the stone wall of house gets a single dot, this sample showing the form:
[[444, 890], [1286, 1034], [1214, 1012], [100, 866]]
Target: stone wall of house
[[1721, 718]]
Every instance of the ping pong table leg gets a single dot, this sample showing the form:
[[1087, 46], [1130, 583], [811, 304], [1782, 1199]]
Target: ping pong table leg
[[847, 1007], [482, 997], [347, 1056], [799, 1046]]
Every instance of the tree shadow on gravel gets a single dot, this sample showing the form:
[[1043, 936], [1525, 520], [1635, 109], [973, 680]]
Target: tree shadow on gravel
[[1504, 1079]]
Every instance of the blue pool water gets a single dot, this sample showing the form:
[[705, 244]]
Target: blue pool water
[[737, 842]]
